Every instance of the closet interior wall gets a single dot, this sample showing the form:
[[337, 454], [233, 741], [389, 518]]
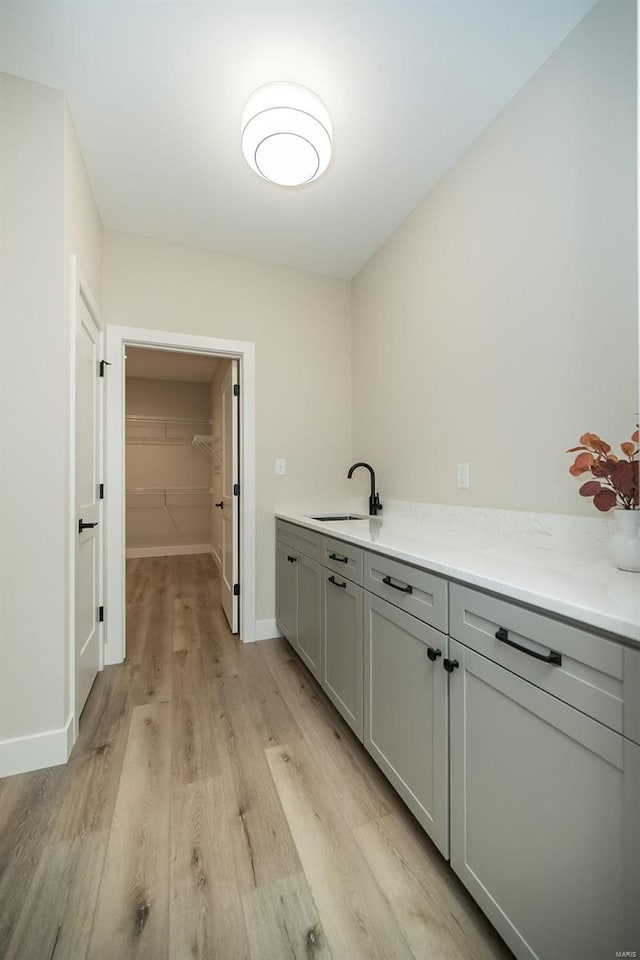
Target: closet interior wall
[[168, 478]]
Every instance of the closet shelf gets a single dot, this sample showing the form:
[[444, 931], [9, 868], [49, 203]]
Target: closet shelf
[[134, 418], [171, 431]]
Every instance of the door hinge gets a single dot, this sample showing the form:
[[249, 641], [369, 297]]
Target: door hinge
[[103, 364], [236, 589], [101, 491], [236, 389], [236, 489], [100, 614]]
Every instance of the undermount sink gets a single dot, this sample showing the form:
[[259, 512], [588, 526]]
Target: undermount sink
[[339, 516]]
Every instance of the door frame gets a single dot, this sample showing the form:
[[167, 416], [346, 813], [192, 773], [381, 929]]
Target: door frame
[[117, 339], [229, 475], [78, 287]]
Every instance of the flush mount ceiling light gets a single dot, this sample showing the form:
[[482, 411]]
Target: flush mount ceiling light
[[286, 134]]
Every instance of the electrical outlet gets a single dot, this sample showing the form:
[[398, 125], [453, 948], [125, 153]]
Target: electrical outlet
[[281, 467], [463, 476]]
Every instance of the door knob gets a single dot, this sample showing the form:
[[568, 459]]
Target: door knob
[[85, 526], [221, 504], [433, 654], [450, 665]]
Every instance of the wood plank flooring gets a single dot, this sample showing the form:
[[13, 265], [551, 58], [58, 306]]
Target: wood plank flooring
[[216, 806]]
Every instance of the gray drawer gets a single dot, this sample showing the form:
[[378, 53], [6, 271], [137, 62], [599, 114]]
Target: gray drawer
[[420, 593], [299, 539], [594, 675], [342, 557]]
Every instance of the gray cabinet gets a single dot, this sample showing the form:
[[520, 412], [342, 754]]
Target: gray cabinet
[[406, 711], [298, 613], [588, 672], [342, 558], [422, 594], [342, 646], [286, 592], [521, 760], [309, 633], [545, 829], [299, 538]]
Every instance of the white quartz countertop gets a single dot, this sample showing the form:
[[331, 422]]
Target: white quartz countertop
[[545, 563]]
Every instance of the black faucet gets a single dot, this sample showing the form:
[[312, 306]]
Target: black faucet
[[374, 500]]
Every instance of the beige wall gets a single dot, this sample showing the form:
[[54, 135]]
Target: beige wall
[[33, 410], [47, 212], [499, 322], [300, 323]]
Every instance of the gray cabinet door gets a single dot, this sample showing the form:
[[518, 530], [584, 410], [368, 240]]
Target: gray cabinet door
[[406, 711], [309, 634], [342, 646], [545, 831], [286, 592]]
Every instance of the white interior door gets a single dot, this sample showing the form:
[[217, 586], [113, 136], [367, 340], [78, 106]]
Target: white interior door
[[230, 511], [87, 512]]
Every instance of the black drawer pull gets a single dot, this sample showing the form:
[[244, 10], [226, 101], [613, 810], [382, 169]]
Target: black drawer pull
[[552, 657], [450, 665], [405, 589], [335, 582], [433, 654], [336, 556], [292, 559]]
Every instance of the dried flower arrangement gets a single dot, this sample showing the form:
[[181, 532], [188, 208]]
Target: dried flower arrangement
[[615, 480]]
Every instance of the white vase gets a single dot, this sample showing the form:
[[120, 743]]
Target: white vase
[[624, 544]]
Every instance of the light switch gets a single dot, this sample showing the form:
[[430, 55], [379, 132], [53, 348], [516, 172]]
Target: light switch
[[463, 476], [281, 467]]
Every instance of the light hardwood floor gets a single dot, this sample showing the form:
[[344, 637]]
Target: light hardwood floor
[[216, 806]]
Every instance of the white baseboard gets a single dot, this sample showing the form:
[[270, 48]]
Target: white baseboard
[[267, 630], [38, 750], [217, 558], [185, 550]]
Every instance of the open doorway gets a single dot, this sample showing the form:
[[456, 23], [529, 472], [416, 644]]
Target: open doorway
[[176, 446], [182, 480]]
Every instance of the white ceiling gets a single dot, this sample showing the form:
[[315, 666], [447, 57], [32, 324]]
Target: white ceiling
[[156, 90], [168, 365]]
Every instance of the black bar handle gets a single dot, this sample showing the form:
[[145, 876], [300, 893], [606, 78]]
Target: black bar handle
[[335, 583], [221, 504], [85, 526], [450, 665], [405, 589], [552, 657], [336, 556], [433, 654], [291, 559]]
